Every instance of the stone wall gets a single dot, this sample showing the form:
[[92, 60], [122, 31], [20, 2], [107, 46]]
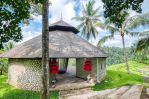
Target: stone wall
[[99, 70], [25, 73]]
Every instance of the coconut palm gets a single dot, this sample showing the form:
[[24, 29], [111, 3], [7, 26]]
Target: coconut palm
[[88, 20], [129, 24]]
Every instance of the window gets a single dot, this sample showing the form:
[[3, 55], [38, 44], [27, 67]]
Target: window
[[101, 66]]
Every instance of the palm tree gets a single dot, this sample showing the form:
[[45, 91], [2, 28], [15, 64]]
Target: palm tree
[[143, 43], [45, 50], [88, 20], [129, 24]]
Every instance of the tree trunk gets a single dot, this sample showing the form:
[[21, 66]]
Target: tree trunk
[[45, 50], [124, 52]]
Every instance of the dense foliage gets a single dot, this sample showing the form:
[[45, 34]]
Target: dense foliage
[[12, 13], [117, 10], [116, 55]]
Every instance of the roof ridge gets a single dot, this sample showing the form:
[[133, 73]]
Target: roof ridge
[[61, 22]]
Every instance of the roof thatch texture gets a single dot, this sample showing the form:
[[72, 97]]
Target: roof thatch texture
[[62, 26], [61, 45]]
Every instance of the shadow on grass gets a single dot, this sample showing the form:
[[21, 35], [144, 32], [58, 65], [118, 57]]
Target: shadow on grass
[[117, 79], [19, 94], [9, 92], [23, 94]]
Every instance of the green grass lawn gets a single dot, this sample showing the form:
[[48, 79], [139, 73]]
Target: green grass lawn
[[9, 92], [117, 76]]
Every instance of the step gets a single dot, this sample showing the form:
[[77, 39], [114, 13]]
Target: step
[[103, 94], [89, 95], [75, 92], [117, 93], [133, 93], [126, 92], [147, 91], [82, 96], [72, 86]]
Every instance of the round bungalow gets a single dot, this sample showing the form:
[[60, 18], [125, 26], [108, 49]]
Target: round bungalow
[[25, 60]]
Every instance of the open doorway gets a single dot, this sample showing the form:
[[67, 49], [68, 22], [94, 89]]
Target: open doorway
[[67, 65], [67, 71], [66, 77]]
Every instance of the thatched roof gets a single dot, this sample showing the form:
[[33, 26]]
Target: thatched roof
[[62, 26], [62, 44]]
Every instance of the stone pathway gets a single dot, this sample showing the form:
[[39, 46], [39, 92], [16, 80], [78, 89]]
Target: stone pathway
[[125, 92]]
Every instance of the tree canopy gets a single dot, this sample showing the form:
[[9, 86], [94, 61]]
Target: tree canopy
[[117, 10], [116, 55], [12, 13]]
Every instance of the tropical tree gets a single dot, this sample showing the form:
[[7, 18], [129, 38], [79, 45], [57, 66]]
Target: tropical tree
[[116, 11], [88, 20], [129, 24], [12, 13], [143, 43]]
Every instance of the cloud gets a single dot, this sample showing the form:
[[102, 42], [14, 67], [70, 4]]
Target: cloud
[[145, 6], [62, 9], [36, 18], [58, 7], [29, 35]]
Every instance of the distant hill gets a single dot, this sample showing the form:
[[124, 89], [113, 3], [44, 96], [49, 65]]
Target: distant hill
[[116, 55]]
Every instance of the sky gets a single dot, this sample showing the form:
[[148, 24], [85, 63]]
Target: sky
[[66, 9]]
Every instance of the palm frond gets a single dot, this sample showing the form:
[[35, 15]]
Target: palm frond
[[112, 29], [100, 25], [108, 27], [88, 20], [104, 39], [141, 34], [96, 11], [144, 33], [80, 25], [142, 44], [89, 7], [133, 33], [138, 20], [78, 18]]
